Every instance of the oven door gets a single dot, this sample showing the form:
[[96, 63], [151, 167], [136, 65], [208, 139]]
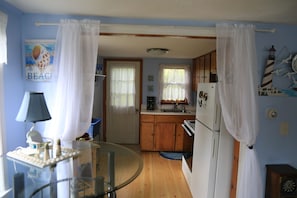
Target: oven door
[[188, 153], [188, 145]]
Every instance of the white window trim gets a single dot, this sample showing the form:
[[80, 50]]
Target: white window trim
[[3, 59]]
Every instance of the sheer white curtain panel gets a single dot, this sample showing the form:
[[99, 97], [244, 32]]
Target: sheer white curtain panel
[[3, 60], [76, 56], [3, 39], [237, 66], [176, 86], [75, 59]]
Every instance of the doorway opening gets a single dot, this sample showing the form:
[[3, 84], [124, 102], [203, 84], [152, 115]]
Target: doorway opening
[[122, 100]]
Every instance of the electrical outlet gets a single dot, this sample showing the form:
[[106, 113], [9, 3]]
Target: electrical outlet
[[284, 128]]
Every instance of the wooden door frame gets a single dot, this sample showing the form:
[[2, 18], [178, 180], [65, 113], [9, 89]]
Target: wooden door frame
[[235, 169], [105, 60]]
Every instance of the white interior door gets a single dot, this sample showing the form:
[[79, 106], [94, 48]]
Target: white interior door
[[122, 101]]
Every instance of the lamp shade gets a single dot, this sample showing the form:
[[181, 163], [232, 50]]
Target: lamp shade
[[33, 108]]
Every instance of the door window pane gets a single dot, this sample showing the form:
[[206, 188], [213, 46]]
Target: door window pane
[[122, 87]]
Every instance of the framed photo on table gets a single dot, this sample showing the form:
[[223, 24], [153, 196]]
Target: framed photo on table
[[39, 59]]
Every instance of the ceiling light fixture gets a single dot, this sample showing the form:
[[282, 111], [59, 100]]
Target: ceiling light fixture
[[157, 51]]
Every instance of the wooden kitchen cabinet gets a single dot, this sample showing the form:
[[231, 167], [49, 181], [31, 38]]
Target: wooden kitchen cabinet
[[162, 132], [213, 62], [147, 136], [147, 132], [194, 74], [200, 71], [213, 67], [204, 69], [165, 136], [179, 137], [207, 67]]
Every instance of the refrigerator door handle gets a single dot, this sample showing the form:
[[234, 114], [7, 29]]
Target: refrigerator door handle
[[213, 148], [216, 117]]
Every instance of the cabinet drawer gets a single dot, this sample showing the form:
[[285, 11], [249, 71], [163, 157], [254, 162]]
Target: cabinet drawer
[[167, 118], [147, 118], [173, 118]]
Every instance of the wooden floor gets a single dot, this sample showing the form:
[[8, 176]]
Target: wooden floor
[[160, 177]]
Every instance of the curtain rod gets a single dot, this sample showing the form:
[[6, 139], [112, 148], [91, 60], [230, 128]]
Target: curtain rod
[[272, 30], [150, 30]]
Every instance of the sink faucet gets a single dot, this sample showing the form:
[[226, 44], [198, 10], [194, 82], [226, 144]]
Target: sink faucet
[[184, 108], [176, 105]]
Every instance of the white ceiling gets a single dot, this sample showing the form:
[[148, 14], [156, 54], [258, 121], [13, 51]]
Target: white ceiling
[[127, 46], [266, 11]]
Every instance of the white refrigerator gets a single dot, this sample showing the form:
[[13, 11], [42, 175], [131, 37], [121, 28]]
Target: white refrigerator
[[213, 147]]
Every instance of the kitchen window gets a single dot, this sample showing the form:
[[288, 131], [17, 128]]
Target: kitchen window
[[174, 84]]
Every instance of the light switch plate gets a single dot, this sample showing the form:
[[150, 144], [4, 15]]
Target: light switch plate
[[284, 128]]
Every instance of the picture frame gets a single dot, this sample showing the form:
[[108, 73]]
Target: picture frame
[[150, 78], [39, 59]]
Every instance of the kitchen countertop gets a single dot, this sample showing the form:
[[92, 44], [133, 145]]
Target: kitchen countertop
[[160, 112]]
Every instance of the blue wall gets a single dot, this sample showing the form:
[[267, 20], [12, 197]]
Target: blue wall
[[272, 146]]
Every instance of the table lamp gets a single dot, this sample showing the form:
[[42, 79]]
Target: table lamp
[[33, 109]]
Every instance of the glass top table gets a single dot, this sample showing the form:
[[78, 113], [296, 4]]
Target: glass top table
[[98, 170]]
